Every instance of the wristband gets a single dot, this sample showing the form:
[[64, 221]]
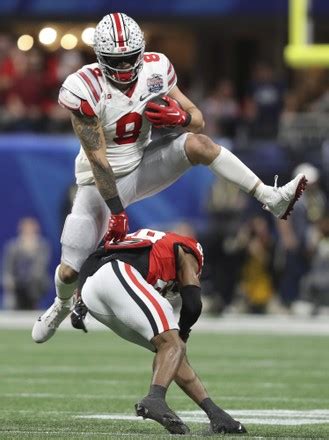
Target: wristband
[[115, 205], [188, 120]]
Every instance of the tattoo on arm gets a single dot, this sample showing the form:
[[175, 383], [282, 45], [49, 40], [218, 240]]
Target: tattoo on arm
[[91, 135]]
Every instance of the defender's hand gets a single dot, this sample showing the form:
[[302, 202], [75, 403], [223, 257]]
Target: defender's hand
[[78, 316], [118, 227], [168, 114]]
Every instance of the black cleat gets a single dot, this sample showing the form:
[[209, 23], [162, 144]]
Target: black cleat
[[157, 409], [222, 423]]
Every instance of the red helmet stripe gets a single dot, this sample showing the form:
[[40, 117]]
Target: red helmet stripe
[[119, 29]]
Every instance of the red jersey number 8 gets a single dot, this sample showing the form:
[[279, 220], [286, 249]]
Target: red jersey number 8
[[149, 57], [128, 128]]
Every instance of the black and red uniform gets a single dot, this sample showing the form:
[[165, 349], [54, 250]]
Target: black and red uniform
[[122, 284], [153, 253]]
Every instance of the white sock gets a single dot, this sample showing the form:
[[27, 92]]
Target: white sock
[[263, 193], [64, 291], [227, 165]]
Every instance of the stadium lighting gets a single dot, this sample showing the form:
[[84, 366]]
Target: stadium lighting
[[25, 42], [69, 41], [87, 35], [47, 35]]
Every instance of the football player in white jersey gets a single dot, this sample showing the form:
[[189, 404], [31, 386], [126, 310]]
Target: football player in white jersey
[[113, 108]]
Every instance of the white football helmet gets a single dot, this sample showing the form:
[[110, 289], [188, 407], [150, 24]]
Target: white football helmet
[[119, 41]]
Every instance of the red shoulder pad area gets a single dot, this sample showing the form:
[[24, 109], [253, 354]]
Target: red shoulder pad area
[[69, 100], [85, 108], [127, 244]]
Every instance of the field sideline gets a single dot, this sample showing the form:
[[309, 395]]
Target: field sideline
[[80, 386]]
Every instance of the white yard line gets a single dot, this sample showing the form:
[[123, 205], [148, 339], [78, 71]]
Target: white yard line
[[258, 417], [248, 417], [280, 417]]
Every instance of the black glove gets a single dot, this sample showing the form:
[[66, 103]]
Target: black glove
[[184, 336], [78, 315]]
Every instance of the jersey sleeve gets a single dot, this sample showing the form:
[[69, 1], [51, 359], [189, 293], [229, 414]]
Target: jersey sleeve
[[72, 102], [81, 91], [170, 75]]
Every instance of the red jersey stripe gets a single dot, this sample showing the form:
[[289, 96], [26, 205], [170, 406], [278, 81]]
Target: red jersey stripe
[[94, 74], [119, 28], [90, 84], [170, 68], [149, 295], [172, 80]]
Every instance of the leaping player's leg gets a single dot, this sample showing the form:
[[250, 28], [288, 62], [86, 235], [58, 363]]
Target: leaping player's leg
[[163, 163], [168, 158], [46, 325], [82, 231], [280, 201], [220, 421]]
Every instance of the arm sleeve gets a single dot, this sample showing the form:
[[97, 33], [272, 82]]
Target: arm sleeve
[[171, 75], [191, 308]]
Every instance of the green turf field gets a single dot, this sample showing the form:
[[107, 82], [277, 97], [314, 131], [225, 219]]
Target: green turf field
[[79, 386]]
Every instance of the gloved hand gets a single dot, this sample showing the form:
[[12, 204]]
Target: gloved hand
[[118, 227], [78, 315], [170, 114]]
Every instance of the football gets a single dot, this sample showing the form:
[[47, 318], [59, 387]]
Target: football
[[159, 100]]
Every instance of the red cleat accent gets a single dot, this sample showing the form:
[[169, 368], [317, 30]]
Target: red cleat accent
[[299, 191]]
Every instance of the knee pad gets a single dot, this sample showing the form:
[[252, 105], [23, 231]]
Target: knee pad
[[80, 232]]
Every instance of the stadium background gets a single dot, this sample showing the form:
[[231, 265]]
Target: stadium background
[[220, 40], [270, 371]]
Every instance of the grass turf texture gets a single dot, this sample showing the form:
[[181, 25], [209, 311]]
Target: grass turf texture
[[44, 387]]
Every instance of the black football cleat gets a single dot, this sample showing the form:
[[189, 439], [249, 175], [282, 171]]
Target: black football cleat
[[157, 409], [222, 423]]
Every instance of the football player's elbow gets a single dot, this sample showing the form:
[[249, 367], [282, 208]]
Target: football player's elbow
[[202, 125], [198, 123]]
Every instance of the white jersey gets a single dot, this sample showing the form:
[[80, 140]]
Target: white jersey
[[127, 131]]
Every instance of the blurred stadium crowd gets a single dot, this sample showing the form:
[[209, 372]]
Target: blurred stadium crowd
[[268, 103], [253, 263]]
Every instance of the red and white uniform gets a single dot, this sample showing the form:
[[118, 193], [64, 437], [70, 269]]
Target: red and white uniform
[[127, 131], [129, 302], [142, 167]]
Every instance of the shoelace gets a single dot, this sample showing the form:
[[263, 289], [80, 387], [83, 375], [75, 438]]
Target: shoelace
[[276, 181]]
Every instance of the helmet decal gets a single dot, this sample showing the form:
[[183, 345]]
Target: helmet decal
[[120, 35]]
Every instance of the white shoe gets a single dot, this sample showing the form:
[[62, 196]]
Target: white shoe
[[46, 325], [285, 197]]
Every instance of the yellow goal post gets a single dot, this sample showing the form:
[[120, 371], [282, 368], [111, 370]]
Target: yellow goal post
[[300, 52]]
